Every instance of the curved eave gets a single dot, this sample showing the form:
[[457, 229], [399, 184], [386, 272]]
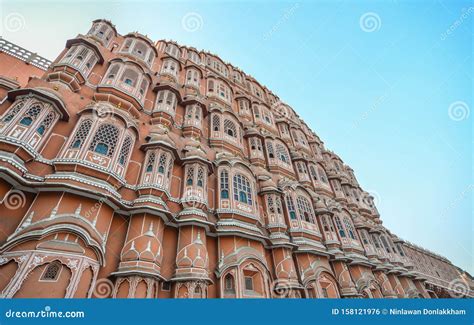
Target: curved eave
[[56, 101], [82, 39]]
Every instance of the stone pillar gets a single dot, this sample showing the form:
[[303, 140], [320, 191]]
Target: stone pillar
[[343, 276], [140, 261], [192, 263], [286, 283], [385, 284]]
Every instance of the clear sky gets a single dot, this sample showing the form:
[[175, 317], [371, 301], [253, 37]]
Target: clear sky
[[387, 85]]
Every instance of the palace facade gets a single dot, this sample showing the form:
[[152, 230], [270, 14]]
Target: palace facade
[[133, 168]]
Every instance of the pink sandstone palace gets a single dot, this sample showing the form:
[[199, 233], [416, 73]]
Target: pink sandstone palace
[[135, 169]]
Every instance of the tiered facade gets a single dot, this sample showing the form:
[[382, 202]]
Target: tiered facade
[[130, 168]]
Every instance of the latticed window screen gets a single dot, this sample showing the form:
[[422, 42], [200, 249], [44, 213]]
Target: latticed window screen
[[349, 227], [83, 52], [170, 167], [52, 271], [30, 115], [271, 152], [190, 176], [270, 203], [46, 123], [291, 207], [13, 111], [313, 172], [162, 163], [385, 244], [229, 128], [224, 184], [216, 122], [200, 177], [113, 71], [151, 162], [304, 209], [242, 189], [81, 134], [125, 150], [105, 139], [322, 175], [339, 226], [282, 153]]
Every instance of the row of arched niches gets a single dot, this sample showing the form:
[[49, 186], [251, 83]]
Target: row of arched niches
[[153, 170]]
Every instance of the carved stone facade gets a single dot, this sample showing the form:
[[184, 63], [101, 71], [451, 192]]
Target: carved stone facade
[[130, 168]]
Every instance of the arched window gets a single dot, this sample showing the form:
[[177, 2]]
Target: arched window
[[210, 86], [130, 77], [229, 286], [305, 209], [31, 115], [113, 71], [81, 134], [385, 244], [170, 66], [51, 273], [349, 227], [271, 152], [13, 111], [314, 174], [192, 77], [150, 163], [224, 184], [322, 175], [216, 123], [282, 153], [104, 140], [162, 162], [173, 50], [242, 189], [200, 177], [229, 128], [291, 207], [46, 123], [166, 101], [339, 226], [190, 176]]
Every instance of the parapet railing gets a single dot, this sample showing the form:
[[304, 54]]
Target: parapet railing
[[24, 55]]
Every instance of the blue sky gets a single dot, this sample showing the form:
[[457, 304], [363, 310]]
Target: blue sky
[[393, 99]]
